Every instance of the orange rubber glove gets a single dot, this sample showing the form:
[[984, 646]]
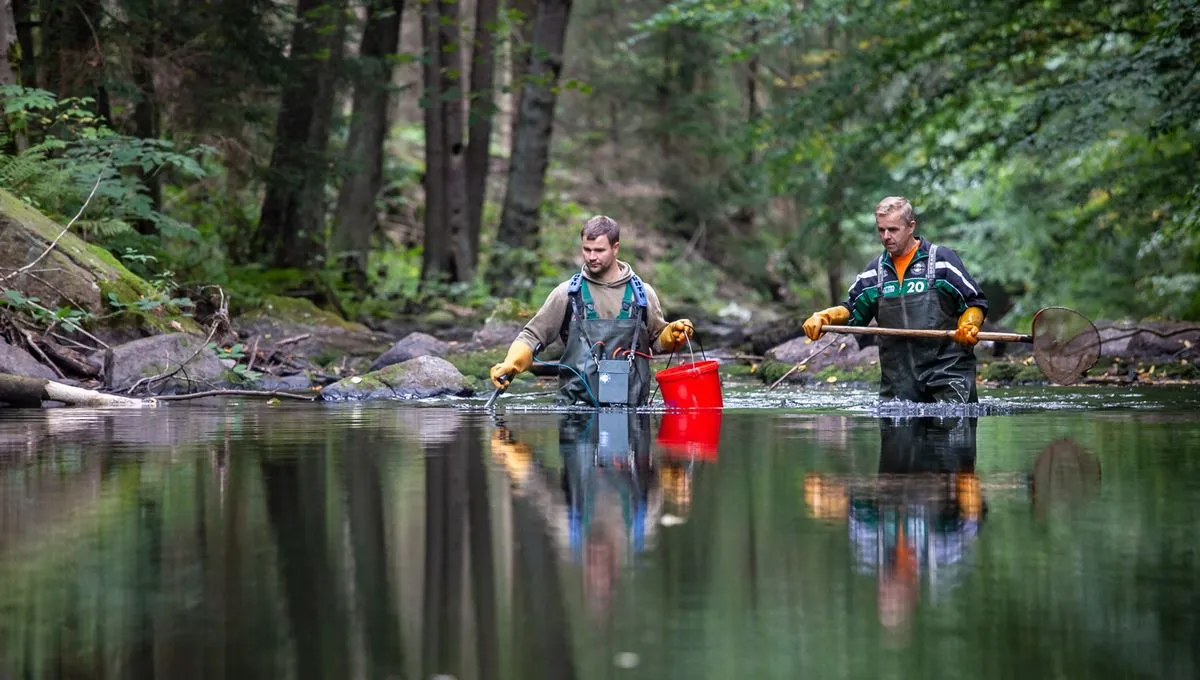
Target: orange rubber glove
[[675, 334], [968, 327], [834, 316], [520, 358]]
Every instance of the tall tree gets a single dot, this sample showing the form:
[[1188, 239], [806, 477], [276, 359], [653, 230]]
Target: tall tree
[[9, 46], [292, 224], [73, 61], [355, 219], [483, 109], [145, 25], [448, 254], [24, 30], [518, 233]]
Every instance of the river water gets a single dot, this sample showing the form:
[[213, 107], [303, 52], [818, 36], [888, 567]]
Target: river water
[[1049, 533]]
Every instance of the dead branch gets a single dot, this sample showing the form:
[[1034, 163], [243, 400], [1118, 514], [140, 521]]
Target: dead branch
[[68, 359], [293, 339], [253, 355], [38, 350], [31, 392], [236, 393], [75, 327], [802, 362]]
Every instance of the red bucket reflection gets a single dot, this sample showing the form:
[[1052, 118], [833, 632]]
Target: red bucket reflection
[[692, 433]]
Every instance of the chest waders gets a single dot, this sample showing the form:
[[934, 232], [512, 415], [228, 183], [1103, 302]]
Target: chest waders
[[591, 341], [922, 369]]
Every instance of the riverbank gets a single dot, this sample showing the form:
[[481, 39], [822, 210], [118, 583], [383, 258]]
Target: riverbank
[[74, 314]]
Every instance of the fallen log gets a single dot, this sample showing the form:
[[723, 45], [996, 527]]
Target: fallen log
[[25, 392]]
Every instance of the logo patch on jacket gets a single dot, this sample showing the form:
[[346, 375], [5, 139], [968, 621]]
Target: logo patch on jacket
[[918, 268]]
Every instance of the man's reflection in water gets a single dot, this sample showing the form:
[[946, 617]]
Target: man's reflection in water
[[610, 483], [609, 499], [916, 520]]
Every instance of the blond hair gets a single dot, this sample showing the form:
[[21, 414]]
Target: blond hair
[[899, 204], [601, 226]]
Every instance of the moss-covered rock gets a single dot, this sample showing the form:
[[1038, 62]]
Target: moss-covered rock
[[300, 311], [324, 336], [419, 378], [477, 364], [77, 274]]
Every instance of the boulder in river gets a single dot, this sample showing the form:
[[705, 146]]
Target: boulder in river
[[418, 378]]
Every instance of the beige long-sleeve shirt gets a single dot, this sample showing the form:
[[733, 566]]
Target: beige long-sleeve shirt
[[543, 328]]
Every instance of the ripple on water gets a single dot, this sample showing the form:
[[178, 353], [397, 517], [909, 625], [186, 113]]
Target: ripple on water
[[1002, 401]]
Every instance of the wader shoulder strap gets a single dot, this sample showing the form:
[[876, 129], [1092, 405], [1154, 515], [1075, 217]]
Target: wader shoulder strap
[[639, 295], [931, 267], [639, 291], [580, 304], [574, 284]]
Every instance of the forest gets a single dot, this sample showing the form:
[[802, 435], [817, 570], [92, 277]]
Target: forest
[[383, 157]]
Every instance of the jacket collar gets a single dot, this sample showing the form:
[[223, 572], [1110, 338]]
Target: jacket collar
[[922, 252]]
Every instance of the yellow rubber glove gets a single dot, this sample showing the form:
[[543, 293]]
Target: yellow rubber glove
[[970, 497], [516, 456], [520, 358], [968, 327], [675, 334], [834, 316]]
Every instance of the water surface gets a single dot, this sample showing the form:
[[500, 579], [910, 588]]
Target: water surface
[[1050, 533]]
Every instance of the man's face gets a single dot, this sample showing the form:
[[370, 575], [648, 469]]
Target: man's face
[[894, 233], [599, 255]]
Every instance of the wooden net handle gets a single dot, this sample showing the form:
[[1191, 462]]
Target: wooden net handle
[[924, 333]]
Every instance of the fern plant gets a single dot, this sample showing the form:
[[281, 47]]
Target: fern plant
[[74, 150]]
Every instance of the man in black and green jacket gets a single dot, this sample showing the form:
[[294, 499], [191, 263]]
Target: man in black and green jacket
[[914, 284]]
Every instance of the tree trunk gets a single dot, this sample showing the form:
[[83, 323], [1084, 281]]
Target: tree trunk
[[70, 45], [9, 71], [291, 227], [523, 14], [146, 116], [31, 392], [531, 147], [355, 219], [24, 28], [436, 245], [457, 225], [447, 251], [483, 109]]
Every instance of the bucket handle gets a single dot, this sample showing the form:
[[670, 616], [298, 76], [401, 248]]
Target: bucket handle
[[703, 357]]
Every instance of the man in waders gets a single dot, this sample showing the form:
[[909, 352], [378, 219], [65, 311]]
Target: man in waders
[[608, 319], [914, 284]]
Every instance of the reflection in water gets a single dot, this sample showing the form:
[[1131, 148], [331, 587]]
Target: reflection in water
[[914, 522], [1064, 474], [398, 542], [603, 508]]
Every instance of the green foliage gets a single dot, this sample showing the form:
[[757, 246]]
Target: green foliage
[[1052, 143], [76, 156], [69, 318], [236, 352]]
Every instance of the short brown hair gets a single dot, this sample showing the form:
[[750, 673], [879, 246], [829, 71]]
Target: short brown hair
[[601, 226], [893, 204]]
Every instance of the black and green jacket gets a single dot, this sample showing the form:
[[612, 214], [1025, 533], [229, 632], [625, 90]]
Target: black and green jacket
[[879, 279]]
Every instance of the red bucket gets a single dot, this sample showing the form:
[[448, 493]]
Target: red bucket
[[694, 385], [691, 434]]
